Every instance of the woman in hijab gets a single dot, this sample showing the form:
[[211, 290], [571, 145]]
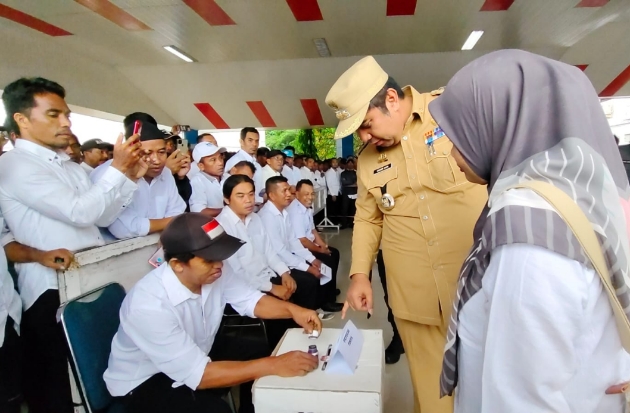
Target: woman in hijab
[[532, 328]]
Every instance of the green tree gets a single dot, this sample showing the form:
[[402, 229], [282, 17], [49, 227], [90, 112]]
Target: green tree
[[279, 139], [315, 142]]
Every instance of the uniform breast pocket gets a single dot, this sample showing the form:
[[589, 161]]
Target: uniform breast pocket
[[386, 181], [160, 204], [443, 171]]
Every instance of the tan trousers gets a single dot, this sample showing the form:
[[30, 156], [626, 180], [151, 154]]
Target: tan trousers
[[424, 347]]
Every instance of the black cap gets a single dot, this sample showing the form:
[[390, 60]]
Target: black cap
[[275, 152], [199, 235], [148, 132], [94, 144], [141, 116]]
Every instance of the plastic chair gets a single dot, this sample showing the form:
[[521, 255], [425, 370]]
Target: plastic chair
[[90, 322]]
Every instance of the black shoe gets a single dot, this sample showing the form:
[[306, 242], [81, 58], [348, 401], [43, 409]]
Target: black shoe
[[332, 307], [337, 292], [394, 351]]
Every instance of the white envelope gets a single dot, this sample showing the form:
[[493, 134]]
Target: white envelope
[[326, 274]]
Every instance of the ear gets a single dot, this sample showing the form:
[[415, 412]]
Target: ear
[[22, 120], [392, 101], [201, 166]]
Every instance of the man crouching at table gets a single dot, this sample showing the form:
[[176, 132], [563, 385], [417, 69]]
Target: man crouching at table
[[166, 356]]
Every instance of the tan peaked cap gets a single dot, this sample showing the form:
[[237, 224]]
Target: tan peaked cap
[[351, 94]]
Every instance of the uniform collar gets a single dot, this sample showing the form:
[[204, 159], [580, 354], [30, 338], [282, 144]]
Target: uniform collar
[[176, 291], [271, 170], [209, 177], [41, 152], [418, 104], [300, 206], [274, 210], [249, 156], [233, 219]]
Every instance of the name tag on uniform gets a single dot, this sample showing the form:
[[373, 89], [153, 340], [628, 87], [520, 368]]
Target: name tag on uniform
[[382, 168]]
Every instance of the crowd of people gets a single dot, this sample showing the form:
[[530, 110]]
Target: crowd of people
[[461, 196], [256, 227]]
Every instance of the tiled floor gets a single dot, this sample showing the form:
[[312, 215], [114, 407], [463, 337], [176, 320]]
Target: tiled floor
[[398, 394]]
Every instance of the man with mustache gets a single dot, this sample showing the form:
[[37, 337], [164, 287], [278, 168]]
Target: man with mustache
[[48, 204]]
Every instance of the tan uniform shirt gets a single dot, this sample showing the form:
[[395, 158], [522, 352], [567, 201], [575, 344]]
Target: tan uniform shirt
[[427, 234]]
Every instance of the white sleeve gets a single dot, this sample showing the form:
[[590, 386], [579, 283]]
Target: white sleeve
[[238, 294], [274, 261], [176, 204], [535, 317], [297, 229], [290, 259], [50, 196], [332, 181], [198, 199], [129, 224], [298, 249], [259, 185]]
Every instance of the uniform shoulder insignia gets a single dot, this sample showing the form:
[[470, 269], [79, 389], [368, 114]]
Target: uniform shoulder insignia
[[437, 92], [362, 148]]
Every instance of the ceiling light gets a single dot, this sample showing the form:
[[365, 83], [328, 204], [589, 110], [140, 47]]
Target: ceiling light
[[177, 52], [322, 47], [472, 39]]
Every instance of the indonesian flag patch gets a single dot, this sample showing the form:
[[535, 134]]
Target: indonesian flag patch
[[213, 229]]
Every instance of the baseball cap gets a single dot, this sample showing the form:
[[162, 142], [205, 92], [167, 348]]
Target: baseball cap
[[204, 149], [94, 144], [288, 153], [148, 132], [351, 94], [275, 152], [199, 235]]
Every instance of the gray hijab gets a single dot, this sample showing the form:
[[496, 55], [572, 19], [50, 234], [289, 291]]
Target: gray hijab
[[517, 116]]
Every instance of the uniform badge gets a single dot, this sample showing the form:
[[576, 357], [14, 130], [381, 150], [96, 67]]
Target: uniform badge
[[387, 201], [382, 158]]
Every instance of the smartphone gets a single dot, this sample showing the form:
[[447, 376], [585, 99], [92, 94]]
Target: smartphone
[[137, 127], [182, 146], [157, 259]]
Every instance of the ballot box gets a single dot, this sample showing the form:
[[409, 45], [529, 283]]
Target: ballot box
[[322, 392]]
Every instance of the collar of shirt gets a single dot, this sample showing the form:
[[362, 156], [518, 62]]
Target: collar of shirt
[[233, 219], [165, 172], [176, 291], [418, 103], [210, 177], [274, 210], [250, 157], [301, 207], [41, 152]]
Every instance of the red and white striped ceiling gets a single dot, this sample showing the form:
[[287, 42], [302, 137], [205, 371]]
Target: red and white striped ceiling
[[257, 63]]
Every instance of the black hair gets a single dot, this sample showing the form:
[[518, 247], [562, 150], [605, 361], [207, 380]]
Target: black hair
[[290, 148], [303, 182], [233, 181], [242, 164], [203, 135], [184, 257], [272, 182], [247, 130], [262, 151], [19, 97], [141, 116], [378, 101]]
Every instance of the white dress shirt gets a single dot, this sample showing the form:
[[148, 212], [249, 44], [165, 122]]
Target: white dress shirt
[[256, 262], [332, 182], [166, 328], [539, 337], [10, 302], [48, 202], [285, 243], [239, 156], [261, 176], [293, 174], [301, 219], [207, 192], [311, 176], [87, 168], [156, 200]]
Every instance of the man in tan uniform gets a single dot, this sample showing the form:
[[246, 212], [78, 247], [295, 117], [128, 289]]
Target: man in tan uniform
[[413, 198]]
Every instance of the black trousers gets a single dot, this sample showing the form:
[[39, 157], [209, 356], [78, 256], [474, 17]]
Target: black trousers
[[10, 370], [46, 375], [306, 295], [390, 315], [157, 395], [328, 290], [333, 208]]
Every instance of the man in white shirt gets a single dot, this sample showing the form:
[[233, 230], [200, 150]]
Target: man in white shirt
[[50, 203], [157, 199], [334, 188], [207, 196], [275, 161], [301, 217], [287, 246], [308, 171], [166, 356], [250, 140], [261, 156], [244, 168], [94, 154], [289, 170], [73, 150], [257, 262], [204, 137]]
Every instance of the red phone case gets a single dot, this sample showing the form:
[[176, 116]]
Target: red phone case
[[137, 127]]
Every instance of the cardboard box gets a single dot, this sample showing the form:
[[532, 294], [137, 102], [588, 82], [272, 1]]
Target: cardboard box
[[320, 392]]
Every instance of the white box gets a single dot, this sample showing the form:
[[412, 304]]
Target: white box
[[320, 392]]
